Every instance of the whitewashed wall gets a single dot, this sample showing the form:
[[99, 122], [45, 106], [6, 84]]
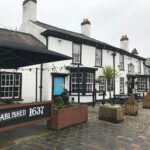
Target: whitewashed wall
[[65, 47]]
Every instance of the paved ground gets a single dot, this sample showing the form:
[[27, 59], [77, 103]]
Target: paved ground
[[133, 134]]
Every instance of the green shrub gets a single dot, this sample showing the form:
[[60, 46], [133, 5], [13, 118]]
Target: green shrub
[[59, 103]]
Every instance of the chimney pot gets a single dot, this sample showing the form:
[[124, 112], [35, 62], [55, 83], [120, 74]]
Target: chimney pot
[[134, 51], [26, 1]]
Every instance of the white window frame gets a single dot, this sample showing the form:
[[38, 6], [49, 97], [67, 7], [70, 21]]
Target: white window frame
[[139, 66], [74, 81], [89, 82], [98, 58], [76, 53], [121, 62], [102, 84], [121, 85], [130, 68], [142, 84], [10, 85]]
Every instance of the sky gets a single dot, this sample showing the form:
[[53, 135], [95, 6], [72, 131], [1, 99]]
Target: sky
[[110, 19]]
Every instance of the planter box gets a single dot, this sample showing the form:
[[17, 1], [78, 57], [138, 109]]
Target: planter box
[[111, 114], [68, 116], [131, 109], [146, 104]]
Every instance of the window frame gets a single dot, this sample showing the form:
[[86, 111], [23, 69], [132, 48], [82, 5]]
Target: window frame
[[89, 82], [104, 84], [13, 86], [138, 86], [74, 75], [112, 85], [121, 86], [84, 81], [80, 59], [131, 70], [121, 62], [139, 66], [101, 52]]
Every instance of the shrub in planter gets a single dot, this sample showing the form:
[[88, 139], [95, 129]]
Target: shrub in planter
[[66, 115], [146, 101], [131, 106], [111, 113], [58, 102]]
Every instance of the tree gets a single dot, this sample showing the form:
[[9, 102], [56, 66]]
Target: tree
[[109, 75]]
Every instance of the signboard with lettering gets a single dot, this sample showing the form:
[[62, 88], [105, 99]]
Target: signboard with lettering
[[59, 83], [20, 114]]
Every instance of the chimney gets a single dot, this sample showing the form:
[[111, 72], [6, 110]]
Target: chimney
[[134, 51], [29, 10], [124, 42], [86, 27]]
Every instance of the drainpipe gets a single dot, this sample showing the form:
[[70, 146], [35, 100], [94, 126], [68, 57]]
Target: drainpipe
[[114, 65], [78, 86], [36, 83], [41, 82], [41, 74]]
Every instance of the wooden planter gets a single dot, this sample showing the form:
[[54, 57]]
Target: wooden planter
[[131, 109], [68, 116], [146, 101], [111, 114], [146, 104]]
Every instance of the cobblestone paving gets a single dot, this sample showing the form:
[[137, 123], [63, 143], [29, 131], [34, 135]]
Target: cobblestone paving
[[132, 134]]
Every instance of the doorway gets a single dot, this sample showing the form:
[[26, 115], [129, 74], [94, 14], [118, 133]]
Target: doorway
[[58, 86]]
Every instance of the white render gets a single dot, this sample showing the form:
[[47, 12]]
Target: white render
[[65, 47], [86, 29], [124, 45], [29, 11]]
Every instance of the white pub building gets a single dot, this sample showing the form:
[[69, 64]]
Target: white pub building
[[78, 75]]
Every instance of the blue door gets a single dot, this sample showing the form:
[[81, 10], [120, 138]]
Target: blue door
[[59, 86]]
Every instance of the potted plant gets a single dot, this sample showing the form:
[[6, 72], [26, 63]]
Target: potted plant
[[110, 112], [146, 100], [131, 106], [67, 115], [109, 74], [58, 103], [128, 82]]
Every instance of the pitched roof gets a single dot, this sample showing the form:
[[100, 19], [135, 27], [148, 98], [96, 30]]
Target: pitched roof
[[71, 33], [58, 31], [17, 37]]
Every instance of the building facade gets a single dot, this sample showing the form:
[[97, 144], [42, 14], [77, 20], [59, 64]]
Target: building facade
[[78, 76]]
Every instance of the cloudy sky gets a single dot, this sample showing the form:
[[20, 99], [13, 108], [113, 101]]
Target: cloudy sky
[[110, 18]]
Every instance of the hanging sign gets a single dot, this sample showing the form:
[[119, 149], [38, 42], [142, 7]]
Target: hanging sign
[[24, 114]]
